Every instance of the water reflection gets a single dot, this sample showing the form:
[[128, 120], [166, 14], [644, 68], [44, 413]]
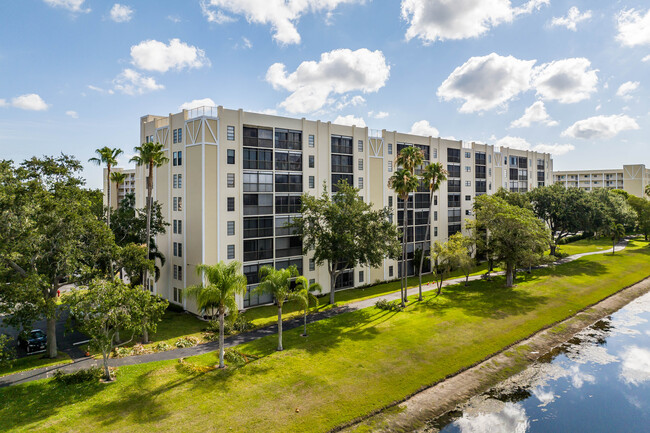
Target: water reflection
[[597, 381]]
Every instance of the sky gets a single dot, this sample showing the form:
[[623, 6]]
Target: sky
[[567, 77]]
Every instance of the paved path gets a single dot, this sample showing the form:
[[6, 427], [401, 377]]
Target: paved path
[[86, 362]]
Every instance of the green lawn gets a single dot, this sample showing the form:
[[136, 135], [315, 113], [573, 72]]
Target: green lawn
[[350, 364], [586, 246], [35, 361]]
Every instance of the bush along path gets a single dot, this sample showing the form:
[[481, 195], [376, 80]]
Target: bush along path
[[87, 362]]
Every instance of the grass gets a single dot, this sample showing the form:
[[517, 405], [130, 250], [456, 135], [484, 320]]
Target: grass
[[586, 246], [35, 361], [349, 366]]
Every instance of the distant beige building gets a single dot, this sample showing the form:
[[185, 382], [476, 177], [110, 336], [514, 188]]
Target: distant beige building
[[631, 178], [118, 193], [235, 178]]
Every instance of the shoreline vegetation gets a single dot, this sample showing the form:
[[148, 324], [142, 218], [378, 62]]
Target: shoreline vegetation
[[389, 355]]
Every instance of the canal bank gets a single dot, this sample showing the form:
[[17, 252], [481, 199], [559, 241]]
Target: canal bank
[[412, 413]]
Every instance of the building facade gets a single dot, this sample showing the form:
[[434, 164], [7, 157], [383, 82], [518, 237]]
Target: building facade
[[631, 178], [118, 192], [235, 179]]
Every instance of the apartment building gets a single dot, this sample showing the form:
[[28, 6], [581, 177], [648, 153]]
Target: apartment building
[[235, 179], [631, 178], [118, 192]]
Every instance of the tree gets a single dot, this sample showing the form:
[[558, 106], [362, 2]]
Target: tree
[[564, 210], [304, 297], [106, 307], [647, 190], [461, 249], [129, 224], [49, 236], [642, 208], [515, 233], [615, 232], [223, 282], [442, 261], [614, 207], [118, 179], [277, 282], [107, 156], [344, 231], [403, 182], [132, 258], [432, 176]]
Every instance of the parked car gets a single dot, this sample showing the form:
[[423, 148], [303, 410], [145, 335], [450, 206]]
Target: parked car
[[33, 341]]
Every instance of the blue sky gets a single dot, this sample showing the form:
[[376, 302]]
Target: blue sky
[[570, 77]]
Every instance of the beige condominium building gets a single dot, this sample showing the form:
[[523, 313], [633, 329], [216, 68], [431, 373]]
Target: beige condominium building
[[235, 179], [631, 178], [118, 192]]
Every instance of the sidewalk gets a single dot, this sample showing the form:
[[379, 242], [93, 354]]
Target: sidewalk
[[87, 362]]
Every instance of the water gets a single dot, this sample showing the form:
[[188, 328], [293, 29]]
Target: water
[[597, 382]]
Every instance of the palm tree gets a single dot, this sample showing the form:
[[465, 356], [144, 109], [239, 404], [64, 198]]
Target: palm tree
[[277, 282], [118, 179], [432, 175], [615, 233], [222, 283], [304, 296], [409, 158], [403, 182], [647, 190], [107, 156]]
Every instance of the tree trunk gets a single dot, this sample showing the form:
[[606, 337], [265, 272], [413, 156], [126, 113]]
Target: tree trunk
[[51, 337], [107, 372], [280, 327], [145, 332], [510, 275], [305, 318], [404, 240], [108, 217], [332, 284], [553, 248], [221, 350], [148, 238], [613, 246], [466, 280], [426, 238]]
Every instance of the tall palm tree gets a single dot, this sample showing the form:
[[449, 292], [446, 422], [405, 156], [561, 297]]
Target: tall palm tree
[[615, 232], [107, 156], [217, 295], [277, 282], [647, 190], [150, 155], [305, 298], [432, 176], [118, 179], [403, 182]]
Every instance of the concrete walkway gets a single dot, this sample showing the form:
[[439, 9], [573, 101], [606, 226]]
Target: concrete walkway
[[87, 362]]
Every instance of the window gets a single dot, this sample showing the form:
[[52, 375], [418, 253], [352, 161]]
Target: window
[[360, 182], [175, 181], [390, 148], [231, 228], [283, 225], [231, 252], [468, 198], [468, 154], [230, 156], [178, 295], [175, 272], [453, 155], [435, 231], [287, 204], [174, 159], [258, 182], [180, 181], [288, 161], [360, 164], [230, 133], [435, 215], [287, 247], [258, 137], [175, 136], [175, 225], [468, 183], [177, 204], [311, 140], [312, 281], [490, 158], [490, 171], [468, 168], [231, 204], [288, 182], [390, 166], [468, 212], [288, 139], [180, 158], [390, 271], [258, 204], [180, 272], [435, 153], [180, 249], [341, 144], [312, 265], [312, 182], [435, 200], [360, 146], [258, 227], [230, 180], [390, 201], [175, 249], [311, 161], [361, 276], [180, 135]]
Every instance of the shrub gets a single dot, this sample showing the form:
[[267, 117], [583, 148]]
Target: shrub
[[162, 346], [139, 349], [86, 375], [186, 342], [240, 323], [7, 352], [237, 358], [232, 324], [121, 352], [383, 304]]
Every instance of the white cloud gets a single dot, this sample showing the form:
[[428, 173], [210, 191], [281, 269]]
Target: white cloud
[[487, 82], [346, 101], [152, 55], [338, 72], [626, 88], [174, 18], [572, 18], [423, 128], [521, 144], [132, 82], [281, 15], [195, 103], [31, 101], [554, 149], [72, 114], [432, 20], [121, 13], [567, 80], [95, 88], [71, 5], [350, 120], [646, 58], [601, 127], [500, 417], [536, 113], [635, 369], [514, 143], [247, 43], [633, 27], [4, 103], [378, 114]]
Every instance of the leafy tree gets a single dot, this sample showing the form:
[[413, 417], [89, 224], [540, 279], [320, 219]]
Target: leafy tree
[[514, 198], [7, 351], [647, 190], [514, 232], [132, 258], [564, 210], [432, 176], [642, 208], [304, 297], [107, 156], [344, 231], [217, 296], [461, 249], [49, 236], [615, 232], [403, 182], [614, 208], [442, 259], [277, 282], [129, 224], [106, 307]]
